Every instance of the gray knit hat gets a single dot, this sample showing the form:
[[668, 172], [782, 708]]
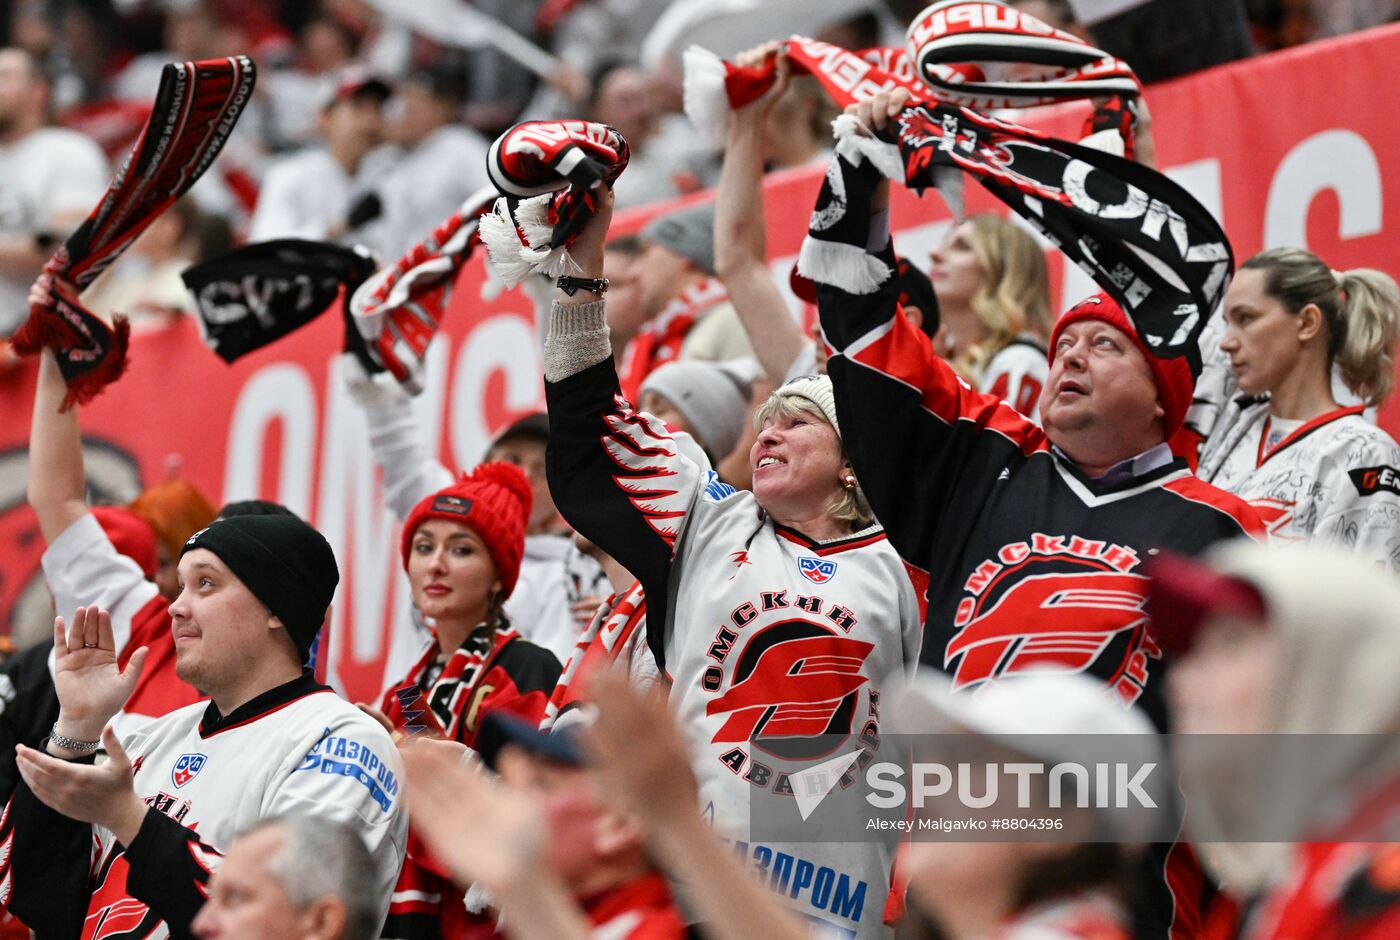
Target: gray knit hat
[[818, 390], [689, 232], [713, 397]]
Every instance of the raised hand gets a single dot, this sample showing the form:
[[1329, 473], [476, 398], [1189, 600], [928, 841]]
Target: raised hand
[[587, 248], [639, 754], [875, 112], [91, 687], [782, 75], [482, 830]]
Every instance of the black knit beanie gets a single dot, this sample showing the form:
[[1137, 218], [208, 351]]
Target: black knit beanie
[[286, 563]]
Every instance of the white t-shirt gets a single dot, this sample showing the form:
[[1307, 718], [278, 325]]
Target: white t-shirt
[[44, 175], [305, 193], [426, 186]]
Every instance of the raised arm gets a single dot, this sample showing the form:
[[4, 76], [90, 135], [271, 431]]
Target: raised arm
[[81, 567], [617, 475], [741, 242], [57, 486], [395, 439], [923, 443]]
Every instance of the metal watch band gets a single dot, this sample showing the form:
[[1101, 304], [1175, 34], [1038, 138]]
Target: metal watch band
[[72, 744], [572, 285]]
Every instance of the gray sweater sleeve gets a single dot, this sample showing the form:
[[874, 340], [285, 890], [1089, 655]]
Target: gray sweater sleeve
[[578, 338]]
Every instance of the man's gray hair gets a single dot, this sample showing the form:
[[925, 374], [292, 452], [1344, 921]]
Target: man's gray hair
[[321, 857]]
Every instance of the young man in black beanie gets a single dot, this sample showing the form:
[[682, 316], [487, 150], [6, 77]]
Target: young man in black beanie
[[125, 847]]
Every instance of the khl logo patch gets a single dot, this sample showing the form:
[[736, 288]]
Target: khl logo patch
[[817, 570], [186, 768]]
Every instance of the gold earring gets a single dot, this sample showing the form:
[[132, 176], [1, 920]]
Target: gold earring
[[848, 481]]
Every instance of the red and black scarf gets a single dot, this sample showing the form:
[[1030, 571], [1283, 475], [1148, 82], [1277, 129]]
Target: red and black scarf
[[610, 637], [1052, 65], [548, 173], [1143, 239], [196, 108], [954, 51], [398, 310], [448, 694]]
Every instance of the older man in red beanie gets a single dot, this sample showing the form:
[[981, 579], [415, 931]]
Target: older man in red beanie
[[1032, 539]]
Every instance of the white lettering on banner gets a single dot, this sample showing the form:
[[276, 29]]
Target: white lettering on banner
[[504, 344], [847, 71], [1339, 160], [279, 392]]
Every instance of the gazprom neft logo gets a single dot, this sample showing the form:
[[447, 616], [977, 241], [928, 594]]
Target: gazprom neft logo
[[1100, 786]]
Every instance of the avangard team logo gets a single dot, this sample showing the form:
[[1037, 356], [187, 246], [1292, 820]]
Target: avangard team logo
[[1063, 602], [795, 689]]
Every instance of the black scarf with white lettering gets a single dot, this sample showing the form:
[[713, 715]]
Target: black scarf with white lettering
[[259, 293], [1143, 238], [1139, 235]]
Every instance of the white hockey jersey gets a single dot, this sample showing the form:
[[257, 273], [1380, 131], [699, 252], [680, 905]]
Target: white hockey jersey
[[296, 749], [1334, 479], [762, 631], [1017, 375]]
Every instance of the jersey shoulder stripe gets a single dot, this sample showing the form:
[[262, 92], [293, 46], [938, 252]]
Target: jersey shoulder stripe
[[1196, 490]]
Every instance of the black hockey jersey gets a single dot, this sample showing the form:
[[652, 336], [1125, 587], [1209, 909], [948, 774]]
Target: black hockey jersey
[[1030, 562]]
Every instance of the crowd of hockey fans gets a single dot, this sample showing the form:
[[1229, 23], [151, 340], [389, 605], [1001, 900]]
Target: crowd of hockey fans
[[729, 543]]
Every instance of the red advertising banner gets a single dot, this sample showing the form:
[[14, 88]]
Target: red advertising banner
[[1299, 147]]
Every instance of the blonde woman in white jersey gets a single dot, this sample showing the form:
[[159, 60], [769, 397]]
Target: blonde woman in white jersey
[[781, 617], [993, 294], [1314, 469]]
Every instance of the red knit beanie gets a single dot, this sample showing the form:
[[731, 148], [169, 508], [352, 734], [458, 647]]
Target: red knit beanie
[[494, 500], [130, 535], [1175, 383]]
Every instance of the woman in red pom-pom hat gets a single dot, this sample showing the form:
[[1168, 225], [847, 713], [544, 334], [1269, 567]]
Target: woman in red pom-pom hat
[[462, 548]]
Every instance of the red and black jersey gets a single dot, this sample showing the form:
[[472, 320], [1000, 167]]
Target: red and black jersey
[[493, 670], [1030, 562]]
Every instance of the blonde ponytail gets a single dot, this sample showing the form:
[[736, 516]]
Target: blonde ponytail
[[1361, 309], [1366, 357]]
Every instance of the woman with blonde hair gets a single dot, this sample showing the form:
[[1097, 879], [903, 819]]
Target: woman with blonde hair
[[1315, 469], [993, 292], [781, 616]]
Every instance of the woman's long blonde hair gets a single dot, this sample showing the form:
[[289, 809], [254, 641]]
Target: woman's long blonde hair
[[1014, 298]]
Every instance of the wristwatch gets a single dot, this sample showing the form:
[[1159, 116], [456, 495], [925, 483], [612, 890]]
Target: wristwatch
[[572, 285]]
